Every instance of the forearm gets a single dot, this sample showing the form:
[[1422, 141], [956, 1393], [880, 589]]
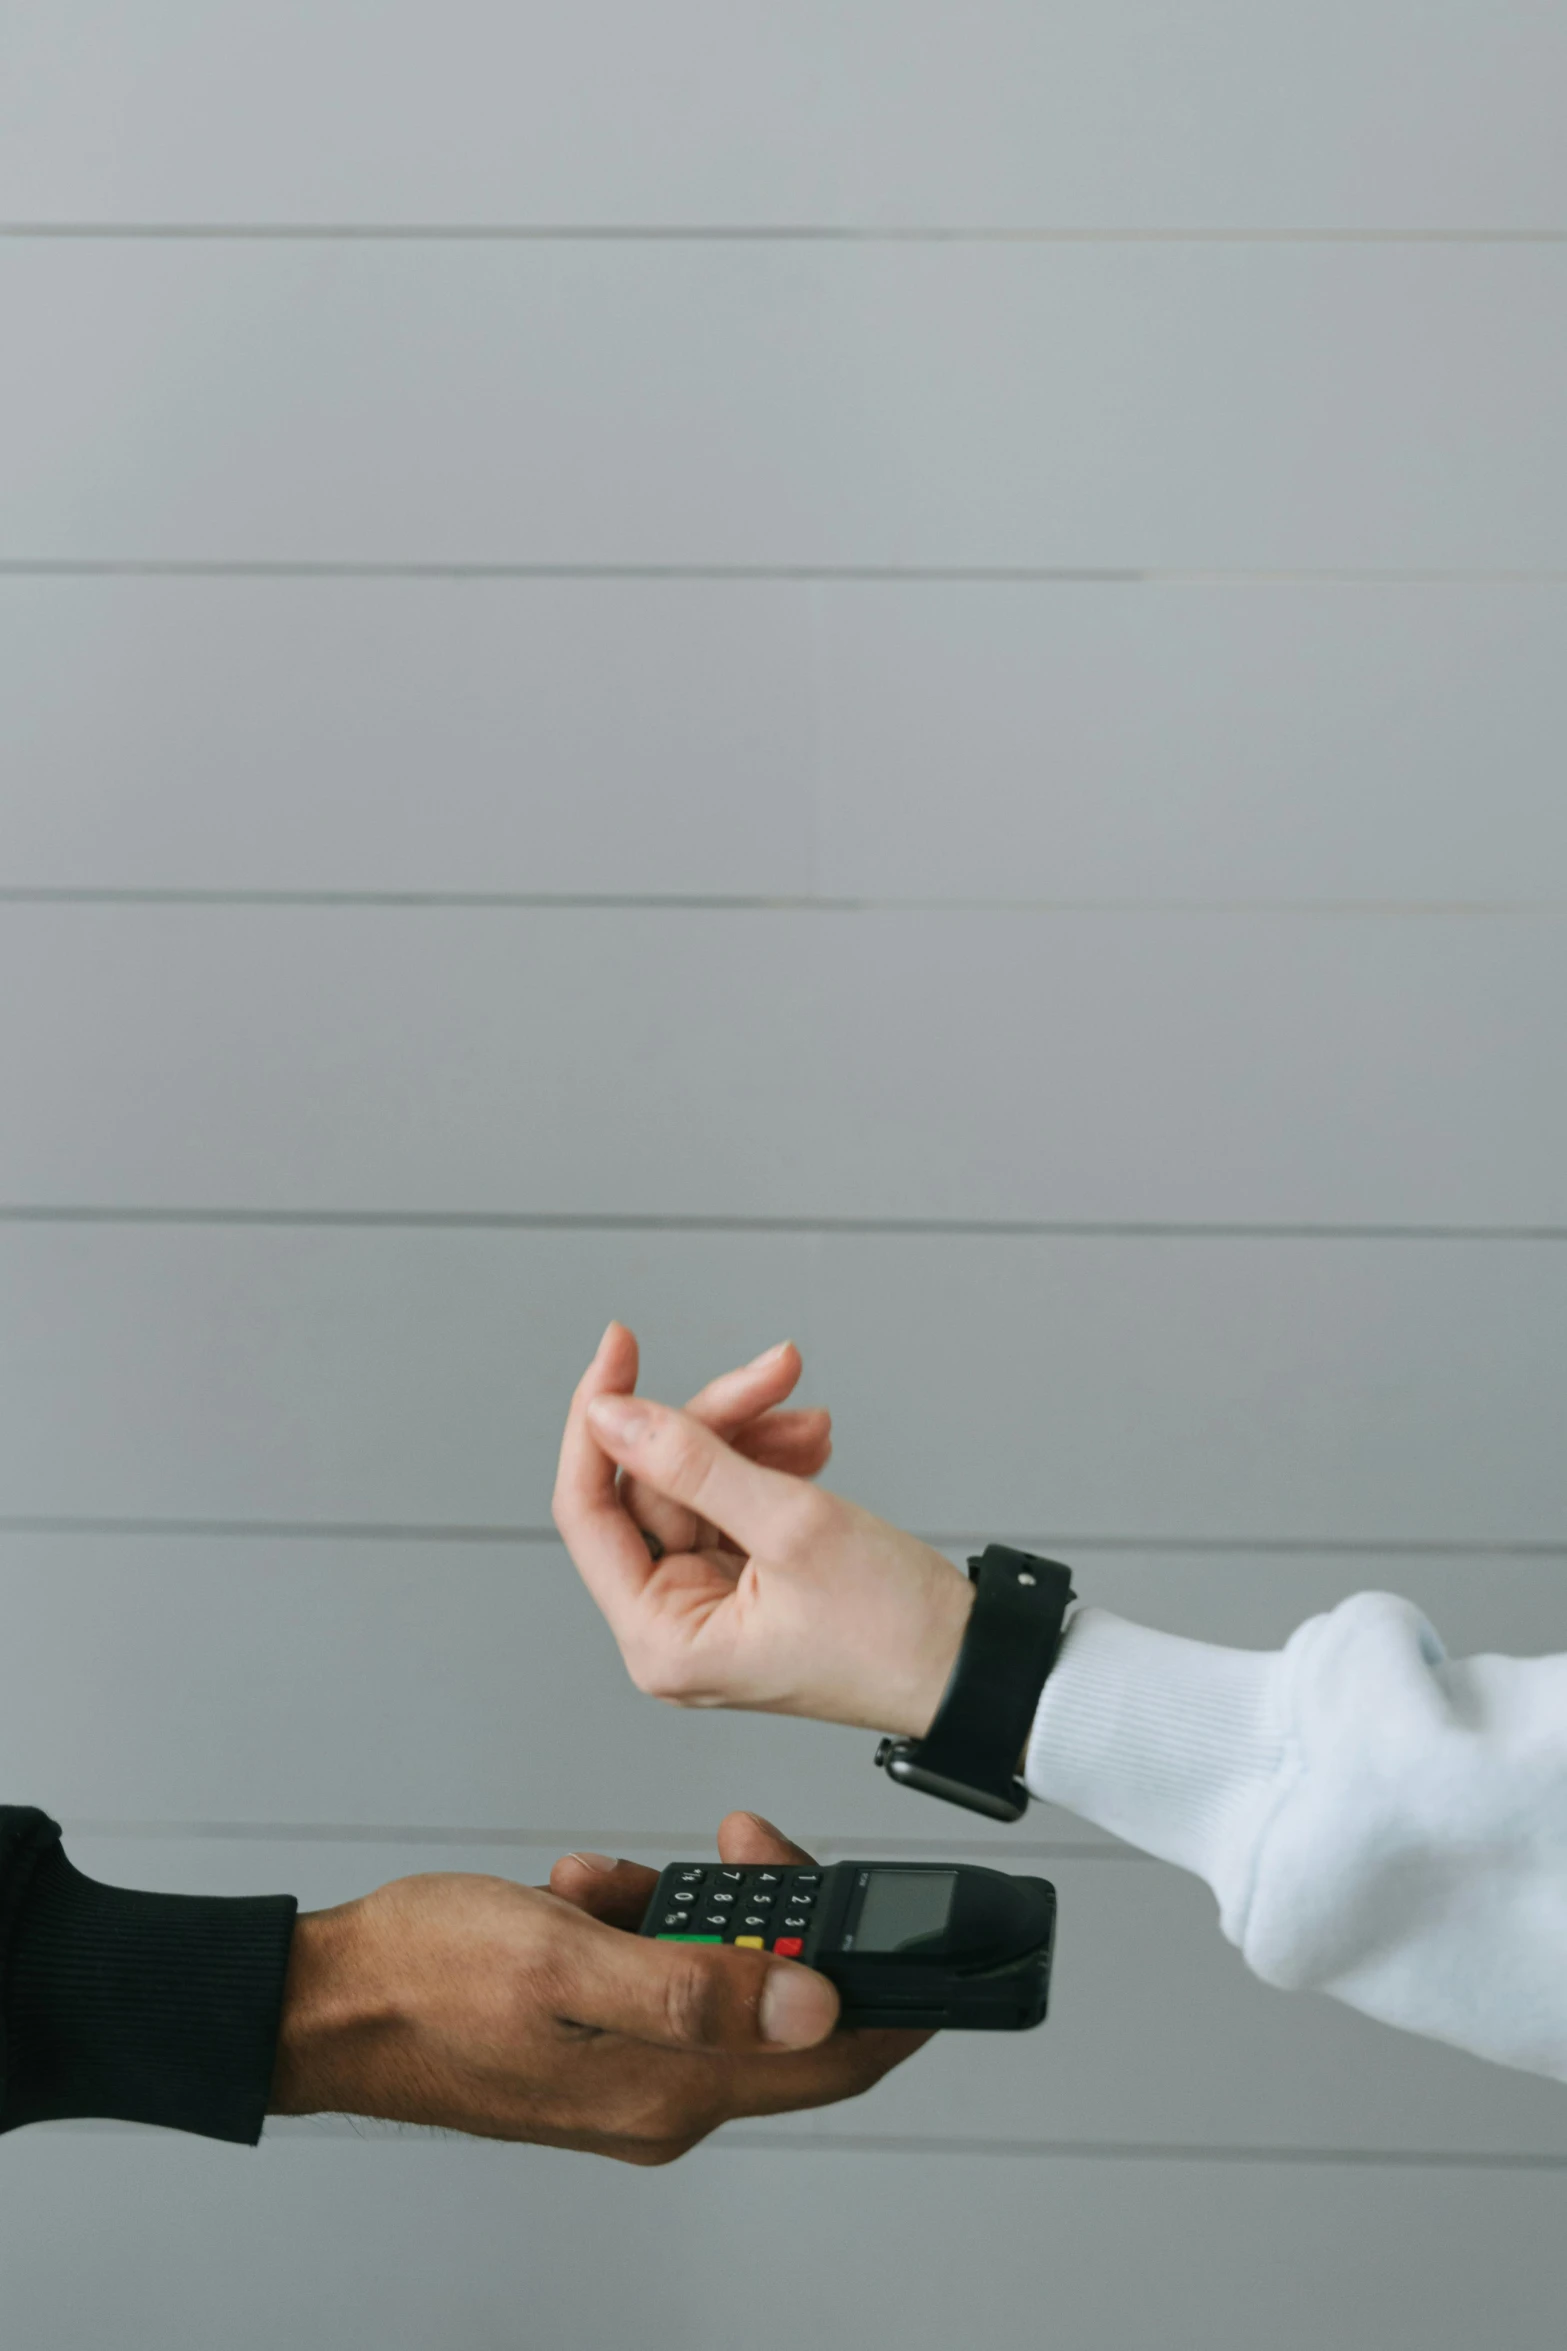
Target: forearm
[[151, 2008], [1377, 1821]]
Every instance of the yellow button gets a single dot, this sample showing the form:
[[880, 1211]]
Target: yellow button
[[748, 1942]]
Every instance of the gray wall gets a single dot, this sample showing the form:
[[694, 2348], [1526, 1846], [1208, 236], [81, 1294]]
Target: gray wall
[[890, 670]]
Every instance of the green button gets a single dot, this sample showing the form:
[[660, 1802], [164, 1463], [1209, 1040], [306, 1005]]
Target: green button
[[688, 1938]]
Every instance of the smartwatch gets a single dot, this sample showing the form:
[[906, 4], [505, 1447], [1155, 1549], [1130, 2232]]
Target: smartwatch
[[969, 1754]]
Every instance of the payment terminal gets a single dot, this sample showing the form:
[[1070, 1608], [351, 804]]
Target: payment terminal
[[929, 1944]]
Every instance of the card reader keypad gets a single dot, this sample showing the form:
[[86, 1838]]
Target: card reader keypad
[[760, 1909]]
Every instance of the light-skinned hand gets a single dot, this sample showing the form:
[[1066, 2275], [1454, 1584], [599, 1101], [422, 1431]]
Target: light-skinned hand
[[771, 1594], [518, 2013], [744, 1407]]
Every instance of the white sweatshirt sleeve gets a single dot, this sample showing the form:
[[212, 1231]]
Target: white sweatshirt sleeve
[[1378, 1820]]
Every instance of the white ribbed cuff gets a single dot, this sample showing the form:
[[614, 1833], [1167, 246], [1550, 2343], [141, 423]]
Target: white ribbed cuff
[[1175, 1745]]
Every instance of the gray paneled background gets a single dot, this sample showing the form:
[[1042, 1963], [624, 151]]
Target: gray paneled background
[[887, 671]]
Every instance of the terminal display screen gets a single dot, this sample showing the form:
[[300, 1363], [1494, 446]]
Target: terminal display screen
[[903, 1907]]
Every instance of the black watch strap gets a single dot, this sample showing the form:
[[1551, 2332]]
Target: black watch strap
[[969, 1754]]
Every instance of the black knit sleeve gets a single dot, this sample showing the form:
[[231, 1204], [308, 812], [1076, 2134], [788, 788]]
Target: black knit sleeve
[[155, 2008]]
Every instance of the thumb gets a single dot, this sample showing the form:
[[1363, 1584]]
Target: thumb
[[684, 1461], [693, 1996]]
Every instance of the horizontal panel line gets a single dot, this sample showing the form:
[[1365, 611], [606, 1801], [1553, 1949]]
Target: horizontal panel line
[[752, 902], [483, 1220], [991, 574], [743, 2139], [1133, 2151], [752, 233], [310, 1530], [330, 1530], [597, 1839]]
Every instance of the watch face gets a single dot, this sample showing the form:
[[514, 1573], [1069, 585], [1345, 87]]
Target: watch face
[[1008, 1803]]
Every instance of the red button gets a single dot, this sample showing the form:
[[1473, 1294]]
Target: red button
[[789, 1946]]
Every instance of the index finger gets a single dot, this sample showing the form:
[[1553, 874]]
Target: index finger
[[735, 1397], [683, 1460], [609, 1553]]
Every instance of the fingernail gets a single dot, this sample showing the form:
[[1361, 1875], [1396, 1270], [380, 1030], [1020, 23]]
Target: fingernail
[[798, 2008], [769, 1355], [620, 1418], [598, 1861], [604, 1342]]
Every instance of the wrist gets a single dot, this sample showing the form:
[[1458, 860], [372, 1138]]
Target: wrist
[[332, 2021], [912, 1703]]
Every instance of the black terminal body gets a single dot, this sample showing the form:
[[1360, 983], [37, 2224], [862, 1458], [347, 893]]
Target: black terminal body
[[922, 1943]]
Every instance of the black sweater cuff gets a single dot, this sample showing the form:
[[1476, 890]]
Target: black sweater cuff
[[152, 2008]]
